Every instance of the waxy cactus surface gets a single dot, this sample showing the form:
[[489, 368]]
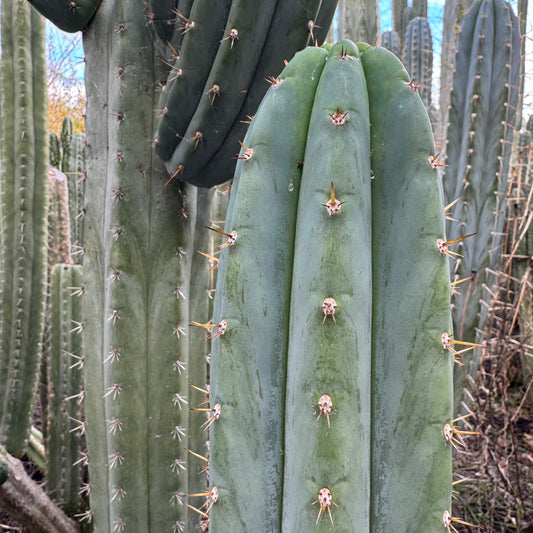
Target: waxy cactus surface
[[331, 386]]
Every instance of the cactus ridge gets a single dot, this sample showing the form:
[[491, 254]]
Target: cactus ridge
[[68, 15], [288, 32], [187, 77], [295, 295], [54, 150], [24, 188], [224, 90]]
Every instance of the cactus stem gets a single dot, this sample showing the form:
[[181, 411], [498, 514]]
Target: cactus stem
[[233, 34], [325, 500], [325, 404], [434, 161], [333, 206], [247, 154], [448, 520], [329, 307], [338, 118]]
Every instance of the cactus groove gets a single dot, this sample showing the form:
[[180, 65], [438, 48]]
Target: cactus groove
[[331, 378]]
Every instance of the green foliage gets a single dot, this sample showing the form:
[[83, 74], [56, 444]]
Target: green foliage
[[283, 347]]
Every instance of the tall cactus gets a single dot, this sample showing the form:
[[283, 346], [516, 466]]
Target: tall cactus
[[331, 303], [482, 121], [64, 424], [418, 56], [24, 190], [391, 41]]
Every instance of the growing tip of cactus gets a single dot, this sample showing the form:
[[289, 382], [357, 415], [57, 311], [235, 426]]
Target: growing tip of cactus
[[325, 500], [333, 206], [329, 306]]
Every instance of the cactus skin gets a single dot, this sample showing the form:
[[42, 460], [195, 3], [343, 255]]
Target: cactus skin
[[68, 15], [24, 189], [54, 151], [251, 499], [391, 41], [364, 256], [66, 142], [138, 242], [418, 56], [64, 443], [482, 118], [76, 195], [288, 33]]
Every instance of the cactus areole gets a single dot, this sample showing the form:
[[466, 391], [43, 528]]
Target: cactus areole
[[330, 387]]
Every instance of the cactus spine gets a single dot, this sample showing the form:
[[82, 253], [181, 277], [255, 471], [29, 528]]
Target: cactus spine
[[482, 120], [24, 189], [331, 369]]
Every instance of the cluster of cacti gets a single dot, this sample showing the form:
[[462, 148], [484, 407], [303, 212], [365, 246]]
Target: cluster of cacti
[[479, 141], [358, 20], [330, 381], [24, 200], [67, 153]]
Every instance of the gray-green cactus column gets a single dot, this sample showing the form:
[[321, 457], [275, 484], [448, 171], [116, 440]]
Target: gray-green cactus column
[[24, 190], [331, 386], [138, 242], [480, 134]]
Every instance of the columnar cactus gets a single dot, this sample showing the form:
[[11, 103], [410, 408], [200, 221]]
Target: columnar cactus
[[24, 200], [391, 41], [358, 20], [480, 133], [418, 56], [64, 424], [330, 383]]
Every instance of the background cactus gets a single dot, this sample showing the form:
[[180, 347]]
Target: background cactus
[[482, 121], [24, 189], [273, 304], [418, 56], [391, 41], [358, 20]]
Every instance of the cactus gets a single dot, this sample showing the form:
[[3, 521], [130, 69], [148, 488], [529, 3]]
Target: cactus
[[24, 190], [418, 56], [68, 15], [54, 151], [391, 41], [75, 172], [256, 39], [482, 121], [358, 20], [66, 141], [64, 424], [320, 355]]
